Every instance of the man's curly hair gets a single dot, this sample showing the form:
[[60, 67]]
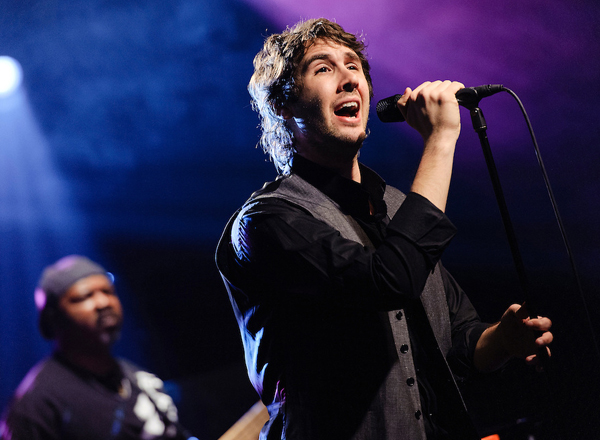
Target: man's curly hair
[[274, 84]]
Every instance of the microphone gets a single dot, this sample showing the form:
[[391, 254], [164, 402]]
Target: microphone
[[468, 97]]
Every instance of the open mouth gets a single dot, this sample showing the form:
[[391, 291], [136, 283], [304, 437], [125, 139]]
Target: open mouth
[[347, 109]]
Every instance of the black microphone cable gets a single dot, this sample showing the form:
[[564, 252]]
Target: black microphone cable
[[558, 218]]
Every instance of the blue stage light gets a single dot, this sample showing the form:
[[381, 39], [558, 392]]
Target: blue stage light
[[11, 75]]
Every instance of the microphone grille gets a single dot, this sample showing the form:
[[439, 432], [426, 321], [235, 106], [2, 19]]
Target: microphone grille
[[387, 111]]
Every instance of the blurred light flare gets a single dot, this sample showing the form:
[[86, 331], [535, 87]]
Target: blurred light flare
[[11, 76], [36, 215]]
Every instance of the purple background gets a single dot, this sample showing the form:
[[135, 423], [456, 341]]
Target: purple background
[[133, 141]]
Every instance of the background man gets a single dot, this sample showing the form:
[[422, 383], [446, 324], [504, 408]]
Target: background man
[[348, 319], [82, 391]]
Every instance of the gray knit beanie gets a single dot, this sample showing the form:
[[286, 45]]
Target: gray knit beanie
[[58, 277]]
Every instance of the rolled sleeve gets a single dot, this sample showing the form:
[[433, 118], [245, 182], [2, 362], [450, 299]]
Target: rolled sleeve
[[424, 225]]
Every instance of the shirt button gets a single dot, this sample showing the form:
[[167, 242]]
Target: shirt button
[[410, 381], [403, 348], [399, 315], [418, 414]]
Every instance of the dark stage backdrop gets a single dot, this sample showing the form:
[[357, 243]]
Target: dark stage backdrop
[[132, 140]]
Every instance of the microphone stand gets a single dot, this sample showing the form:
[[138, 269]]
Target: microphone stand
[[480, 127]]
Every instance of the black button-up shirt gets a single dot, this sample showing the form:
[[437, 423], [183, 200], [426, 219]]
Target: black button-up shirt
[[280, 254]]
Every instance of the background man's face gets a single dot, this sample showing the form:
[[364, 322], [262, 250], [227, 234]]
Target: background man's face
[[92, 309]]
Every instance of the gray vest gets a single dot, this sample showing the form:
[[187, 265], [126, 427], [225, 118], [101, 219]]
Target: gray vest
[[400, 383]]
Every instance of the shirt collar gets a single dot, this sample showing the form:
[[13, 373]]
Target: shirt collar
[[353, 197]]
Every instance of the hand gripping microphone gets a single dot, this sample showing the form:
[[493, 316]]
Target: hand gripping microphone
[[468, 97]]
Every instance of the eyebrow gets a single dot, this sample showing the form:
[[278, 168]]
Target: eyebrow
[[324, 56]]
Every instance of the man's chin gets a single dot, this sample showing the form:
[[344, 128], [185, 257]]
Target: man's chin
[[361, 138], [109, 337], [109, 331], [350, 145], [355, 136]]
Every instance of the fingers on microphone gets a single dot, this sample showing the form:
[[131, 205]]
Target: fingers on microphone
[[405, 97], [421, 87]]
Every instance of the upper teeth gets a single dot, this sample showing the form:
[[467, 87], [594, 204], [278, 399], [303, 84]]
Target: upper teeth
[[350, 104]]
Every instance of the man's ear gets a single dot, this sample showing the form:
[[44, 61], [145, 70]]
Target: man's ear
[[284, 111], [47, 322]]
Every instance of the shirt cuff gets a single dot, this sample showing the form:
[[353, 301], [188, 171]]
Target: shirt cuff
[[420, 222]]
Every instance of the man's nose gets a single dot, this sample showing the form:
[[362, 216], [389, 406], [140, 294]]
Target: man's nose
[[102, 300], [349, 82], [349, 87]]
